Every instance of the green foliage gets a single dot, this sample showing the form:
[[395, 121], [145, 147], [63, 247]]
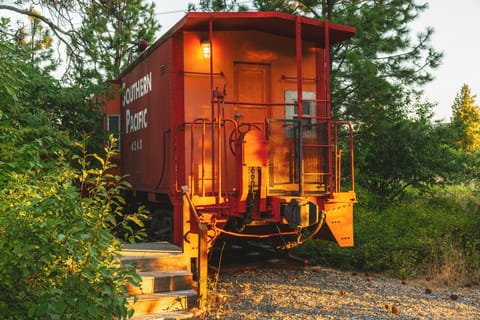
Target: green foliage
[[376, 78], [466, 120], [381, 65], [438, 237], [218, 5], [13, 71], [27, 90], [30, 41], [104, 43], [397, 153], [58, 253], [39, 41], [110, 34]]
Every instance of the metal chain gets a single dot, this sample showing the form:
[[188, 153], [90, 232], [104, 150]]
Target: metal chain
[[252, 182]]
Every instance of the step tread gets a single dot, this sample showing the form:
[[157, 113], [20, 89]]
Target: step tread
[[162, 246], [161, 281], [158, 303], [175, 294], [125, 254], [167, 291], [149, 249], [164, 273], [175, 315], [157, 262]]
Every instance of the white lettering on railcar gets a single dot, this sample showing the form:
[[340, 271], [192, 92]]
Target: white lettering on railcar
[[137, 89], [136, 121]]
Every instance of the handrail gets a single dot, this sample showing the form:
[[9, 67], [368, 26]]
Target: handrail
[[326, 119], [338, 155], [336, 151], [201, 123], [202, 262]]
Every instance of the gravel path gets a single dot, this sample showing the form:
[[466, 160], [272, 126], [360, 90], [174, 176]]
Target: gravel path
[[319, 293]]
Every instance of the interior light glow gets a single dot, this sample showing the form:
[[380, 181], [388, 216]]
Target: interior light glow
[[205, 45]]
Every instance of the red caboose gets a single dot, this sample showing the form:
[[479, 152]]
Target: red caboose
[[225, 120]]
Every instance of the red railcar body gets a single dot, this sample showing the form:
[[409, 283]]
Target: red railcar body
[[225, 120]]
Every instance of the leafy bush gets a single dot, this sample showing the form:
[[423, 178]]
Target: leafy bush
[[437, 238], [58, 256]]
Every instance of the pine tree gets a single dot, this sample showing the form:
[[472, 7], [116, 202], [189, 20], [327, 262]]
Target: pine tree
[[112, 35], [466, 120], [108, 38]]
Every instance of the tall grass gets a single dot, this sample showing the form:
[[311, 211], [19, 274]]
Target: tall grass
[[436, 236]]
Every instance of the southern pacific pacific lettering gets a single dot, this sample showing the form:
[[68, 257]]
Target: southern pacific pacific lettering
[[135, 121], [137, 89]]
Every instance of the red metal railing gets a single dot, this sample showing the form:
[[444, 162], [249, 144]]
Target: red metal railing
[[208, 155]]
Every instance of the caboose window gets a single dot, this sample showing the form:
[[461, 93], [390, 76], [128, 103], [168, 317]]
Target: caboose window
[[307, 123], [308, 108], [113, 127], [305, 107]]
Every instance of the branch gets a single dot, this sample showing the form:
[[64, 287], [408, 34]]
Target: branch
[[56, 29], [342, 58], [421, 43], [312, 10]]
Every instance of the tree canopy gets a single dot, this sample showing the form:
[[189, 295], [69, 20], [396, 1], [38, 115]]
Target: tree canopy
[[111, 35], [100, 37], [466, 120]]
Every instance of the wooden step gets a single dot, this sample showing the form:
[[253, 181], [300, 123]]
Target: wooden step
[[156, 256], [164, 302], [162, 281], [174, 315], [166, 285], [156, 262], [162, 246]]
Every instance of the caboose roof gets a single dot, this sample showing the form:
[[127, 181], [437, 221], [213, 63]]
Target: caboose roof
[[278, 23]]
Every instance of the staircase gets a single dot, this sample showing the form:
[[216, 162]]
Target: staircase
[[166, 288]]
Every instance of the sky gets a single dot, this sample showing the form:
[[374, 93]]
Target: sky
[[456, 35]]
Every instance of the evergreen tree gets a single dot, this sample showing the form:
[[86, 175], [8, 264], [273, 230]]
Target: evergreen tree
[[217, 5], [39, 40], [376, 83], [67, 108], [466, 120], [112, 34]]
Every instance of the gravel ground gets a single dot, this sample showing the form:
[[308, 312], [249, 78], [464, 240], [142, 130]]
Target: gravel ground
[[319, 293]]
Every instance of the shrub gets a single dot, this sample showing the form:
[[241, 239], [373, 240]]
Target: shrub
[[435, 238], [58, 256]]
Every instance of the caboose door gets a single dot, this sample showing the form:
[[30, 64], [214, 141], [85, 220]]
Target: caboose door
[[252, 92]]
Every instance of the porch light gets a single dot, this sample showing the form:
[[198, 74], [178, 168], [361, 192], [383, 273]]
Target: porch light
[[205, 45]]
